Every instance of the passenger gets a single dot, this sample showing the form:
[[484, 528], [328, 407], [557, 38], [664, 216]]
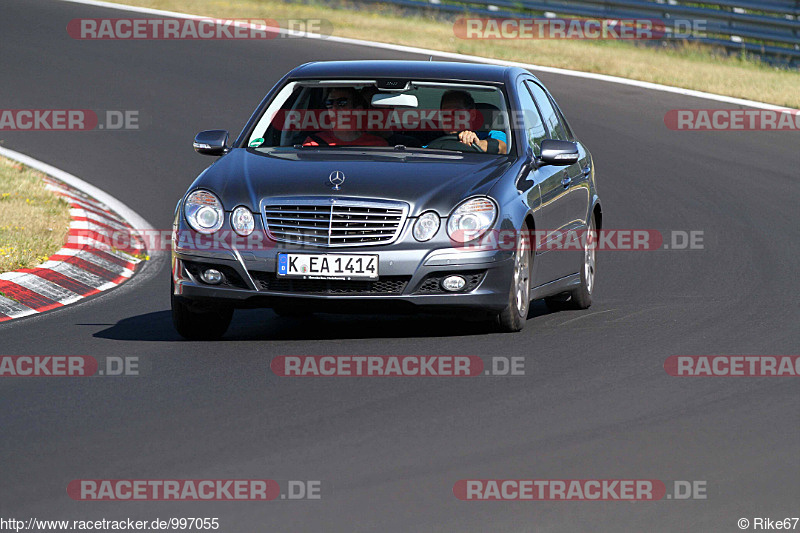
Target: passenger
[[344, 99]]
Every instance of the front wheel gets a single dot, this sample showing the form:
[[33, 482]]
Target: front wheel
[[194, 325], [513, 317]]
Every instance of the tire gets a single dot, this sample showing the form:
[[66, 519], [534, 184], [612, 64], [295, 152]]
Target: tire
[[514, 316], [200, 325], [580, 297]]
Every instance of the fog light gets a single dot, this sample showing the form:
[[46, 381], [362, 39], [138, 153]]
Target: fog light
[[453, 283], [212, 276]]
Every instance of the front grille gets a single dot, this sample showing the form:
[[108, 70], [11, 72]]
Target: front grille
[[330, 222], [433, 283], [268, 281]]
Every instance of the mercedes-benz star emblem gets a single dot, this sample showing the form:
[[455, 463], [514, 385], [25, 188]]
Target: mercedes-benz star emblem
[[336, 178]]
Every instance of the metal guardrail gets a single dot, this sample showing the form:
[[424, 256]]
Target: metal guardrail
[[769, 29]]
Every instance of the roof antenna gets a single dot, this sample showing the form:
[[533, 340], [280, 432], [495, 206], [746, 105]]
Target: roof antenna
[[430, 58]]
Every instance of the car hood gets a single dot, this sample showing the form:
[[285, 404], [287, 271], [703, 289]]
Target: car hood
[[425, 181]]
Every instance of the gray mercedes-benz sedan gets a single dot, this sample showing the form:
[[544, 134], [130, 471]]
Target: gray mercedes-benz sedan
[[384, 186]]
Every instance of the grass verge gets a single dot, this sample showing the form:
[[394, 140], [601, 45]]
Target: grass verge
[[33, 221], [691, 67]]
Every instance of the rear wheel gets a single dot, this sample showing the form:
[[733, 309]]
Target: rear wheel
[[513, 317], [200, 325], [581, 297]]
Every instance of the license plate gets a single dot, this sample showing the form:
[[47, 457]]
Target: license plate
[[328, 266]]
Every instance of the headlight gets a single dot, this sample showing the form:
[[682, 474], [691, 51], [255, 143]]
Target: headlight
[[204, 212], [471, 219], [426, 226], [242, 221]]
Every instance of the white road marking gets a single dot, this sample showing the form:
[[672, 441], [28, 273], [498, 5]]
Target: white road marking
[[42, 286], [95, 219], [14, 309], [78, 274], [114, 268]]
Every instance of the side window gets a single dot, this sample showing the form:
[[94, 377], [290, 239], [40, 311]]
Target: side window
[[563, 120], [554, 125], [531, 121]]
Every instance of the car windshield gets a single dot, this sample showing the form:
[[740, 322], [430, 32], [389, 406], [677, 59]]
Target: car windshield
[[423, 115]]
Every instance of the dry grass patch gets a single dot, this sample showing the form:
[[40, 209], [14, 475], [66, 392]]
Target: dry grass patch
[[33, 221]]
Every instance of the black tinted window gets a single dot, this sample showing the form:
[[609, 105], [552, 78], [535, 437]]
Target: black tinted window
[[531, 121], [551, 119], [564, 123]]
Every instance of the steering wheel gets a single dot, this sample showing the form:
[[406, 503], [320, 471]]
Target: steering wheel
[[451, 142]]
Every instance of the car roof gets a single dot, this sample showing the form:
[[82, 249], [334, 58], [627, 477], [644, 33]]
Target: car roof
[[429, 70]]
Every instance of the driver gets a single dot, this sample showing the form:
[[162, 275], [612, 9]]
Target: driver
[[492, 141], [344, 99]]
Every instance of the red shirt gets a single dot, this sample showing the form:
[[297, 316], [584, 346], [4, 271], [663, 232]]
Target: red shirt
[[366, 139]]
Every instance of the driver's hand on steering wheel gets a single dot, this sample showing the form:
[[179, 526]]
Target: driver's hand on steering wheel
[[468, 137]]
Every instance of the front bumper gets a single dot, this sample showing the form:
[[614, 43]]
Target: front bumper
[[409, 279]]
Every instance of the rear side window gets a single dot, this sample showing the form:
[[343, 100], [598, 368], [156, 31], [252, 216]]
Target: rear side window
[[535, 131], [554, 124]]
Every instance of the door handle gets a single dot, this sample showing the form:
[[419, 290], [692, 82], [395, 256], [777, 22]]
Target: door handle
[[566, 181]]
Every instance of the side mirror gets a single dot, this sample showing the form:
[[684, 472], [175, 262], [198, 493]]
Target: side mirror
[[211, 142], [560, 153]]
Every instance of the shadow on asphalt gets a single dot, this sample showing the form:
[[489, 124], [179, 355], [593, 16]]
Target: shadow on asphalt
[[263, 324], [147, 327]]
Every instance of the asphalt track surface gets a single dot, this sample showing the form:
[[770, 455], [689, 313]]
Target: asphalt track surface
[[595, 402]]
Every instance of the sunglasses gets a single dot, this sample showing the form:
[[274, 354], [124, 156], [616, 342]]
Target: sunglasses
[[339, 102]]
